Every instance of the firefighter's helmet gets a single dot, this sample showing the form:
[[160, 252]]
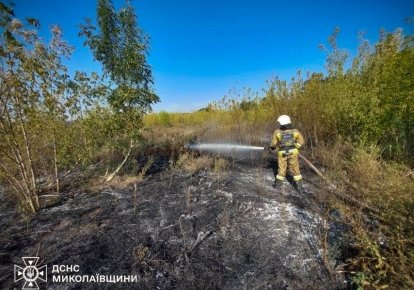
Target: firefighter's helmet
[[284, 120]]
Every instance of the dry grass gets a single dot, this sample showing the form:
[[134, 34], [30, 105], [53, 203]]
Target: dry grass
[[178, 134], [221, 126], [384, 241], [221, 165], [140, 252], [192, 163]]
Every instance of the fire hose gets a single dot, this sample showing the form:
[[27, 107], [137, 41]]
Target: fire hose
[[331, 188]]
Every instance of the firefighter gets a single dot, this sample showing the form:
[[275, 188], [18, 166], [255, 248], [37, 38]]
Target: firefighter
[[287, 140]]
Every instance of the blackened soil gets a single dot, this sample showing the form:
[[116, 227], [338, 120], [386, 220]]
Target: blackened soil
[[260, 238]]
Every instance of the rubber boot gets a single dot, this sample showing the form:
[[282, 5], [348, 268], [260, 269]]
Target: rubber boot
[[299, 186], [277, 184]]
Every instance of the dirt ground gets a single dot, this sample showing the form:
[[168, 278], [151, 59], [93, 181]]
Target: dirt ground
[[177, 230]]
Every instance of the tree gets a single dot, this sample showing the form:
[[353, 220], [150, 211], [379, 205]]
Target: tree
[[33, 104], [121, 47]]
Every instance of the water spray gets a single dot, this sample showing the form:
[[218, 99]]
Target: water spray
[[215, 147], [240, 153]]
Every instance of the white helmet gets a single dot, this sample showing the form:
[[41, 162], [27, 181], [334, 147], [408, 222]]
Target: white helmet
[[284, 120]]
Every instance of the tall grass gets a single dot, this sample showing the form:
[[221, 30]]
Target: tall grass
[[382, 241]]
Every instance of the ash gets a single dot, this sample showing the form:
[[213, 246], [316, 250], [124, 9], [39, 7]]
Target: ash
[[178, 230]]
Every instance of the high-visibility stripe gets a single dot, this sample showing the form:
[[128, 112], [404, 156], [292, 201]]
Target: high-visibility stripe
[[297, 145], [278, 177], [297, 177], [279, 136]]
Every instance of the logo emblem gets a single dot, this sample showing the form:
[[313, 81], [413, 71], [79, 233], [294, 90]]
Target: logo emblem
[[30, 273]]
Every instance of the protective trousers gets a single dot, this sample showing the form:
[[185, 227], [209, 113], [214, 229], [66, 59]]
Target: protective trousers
[[291, 163]]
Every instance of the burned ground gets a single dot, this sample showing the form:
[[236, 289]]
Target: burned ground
[[178, 230]]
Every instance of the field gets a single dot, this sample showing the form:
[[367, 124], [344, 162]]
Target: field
[[91, 176]]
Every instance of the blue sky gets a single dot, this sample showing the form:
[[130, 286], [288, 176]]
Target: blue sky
[[200, 50]]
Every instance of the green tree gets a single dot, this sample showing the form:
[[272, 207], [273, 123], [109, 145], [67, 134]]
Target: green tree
[[121, 47], [33, 105]]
